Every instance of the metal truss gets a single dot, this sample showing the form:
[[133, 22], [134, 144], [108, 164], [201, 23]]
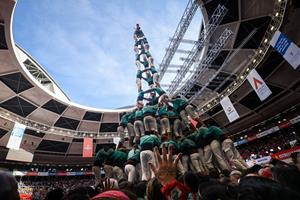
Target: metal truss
[[229, 58], [184, 23], [209, 58], [37, 73], [204, 38]]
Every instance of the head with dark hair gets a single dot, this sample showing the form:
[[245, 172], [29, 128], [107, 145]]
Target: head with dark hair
[[140, 189], [153, 190], [260, 188], [191, 180], [91, 191], [254, 169], [288, 176], [55, 194], [80, 193], [214, 190], [8, 187]]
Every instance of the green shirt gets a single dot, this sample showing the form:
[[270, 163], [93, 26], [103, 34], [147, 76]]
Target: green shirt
[[186, 145], [139, 114], [150, 109], [149, 141], [198, 137], [173, 114], [124, 119], [117, 158], [215, 132], [134, 154], [131, 117], [141, 96], [162, 111], [179, 104], [100, 156], [149, 80], [139, 74]]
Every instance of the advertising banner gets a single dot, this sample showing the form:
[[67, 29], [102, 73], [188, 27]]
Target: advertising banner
[[289, 50], [259, 85], [16, 136], [87, 150], [229, 109], [285, 154]]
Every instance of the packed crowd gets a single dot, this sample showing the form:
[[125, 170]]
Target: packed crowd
[[268, 145], [38, 189], [276, 180]]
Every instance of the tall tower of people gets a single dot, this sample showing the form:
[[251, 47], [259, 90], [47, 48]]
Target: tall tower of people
[[159, 120]]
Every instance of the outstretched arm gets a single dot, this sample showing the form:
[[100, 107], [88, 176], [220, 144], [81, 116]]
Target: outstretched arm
[[165, 172]]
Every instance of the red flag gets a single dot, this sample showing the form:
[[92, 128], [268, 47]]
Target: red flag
[[193, 122], [87, 150]]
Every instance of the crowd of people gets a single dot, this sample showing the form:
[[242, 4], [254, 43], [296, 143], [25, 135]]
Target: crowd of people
[[275, 180], [38, 189], [268, 145]]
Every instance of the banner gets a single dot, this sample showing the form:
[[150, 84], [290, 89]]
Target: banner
[[259, 161], [289, 50], [87, 150], [19, 155], [295, 120], [285, 154], [229, 109], [16, 136], [284, 125], [251, 138], [259, 85], [267, 132], [43, 174]]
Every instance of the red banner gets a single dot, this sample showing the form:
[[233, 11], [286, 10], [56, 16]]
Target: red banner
[[285, 154], [61, 174], [251, 138], [87, 150], [31, 174], [25, 197], [284, 125]]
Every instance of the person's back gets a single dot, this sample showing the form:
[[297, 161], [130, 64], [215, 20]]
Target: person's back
[[8, 187]]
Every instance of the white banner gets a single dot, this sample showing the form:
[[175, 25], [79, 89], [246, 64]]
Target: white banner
[[259, 85], [259, 161], [267, 132], [19, 155], [229, 109], [295, 120], [16, 136], [289, 50]]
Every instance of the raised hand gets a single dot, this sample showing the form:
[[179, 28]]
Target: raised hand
[[165, 172], [106, 185]]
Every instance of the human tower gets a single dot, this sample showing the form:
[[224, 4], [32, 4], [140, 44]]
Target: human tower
[[155, 112], [159, 120]]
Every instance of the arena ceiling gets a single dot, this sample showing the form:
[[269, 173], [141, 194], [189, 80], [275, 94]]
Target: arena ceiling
[[58, 125]]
